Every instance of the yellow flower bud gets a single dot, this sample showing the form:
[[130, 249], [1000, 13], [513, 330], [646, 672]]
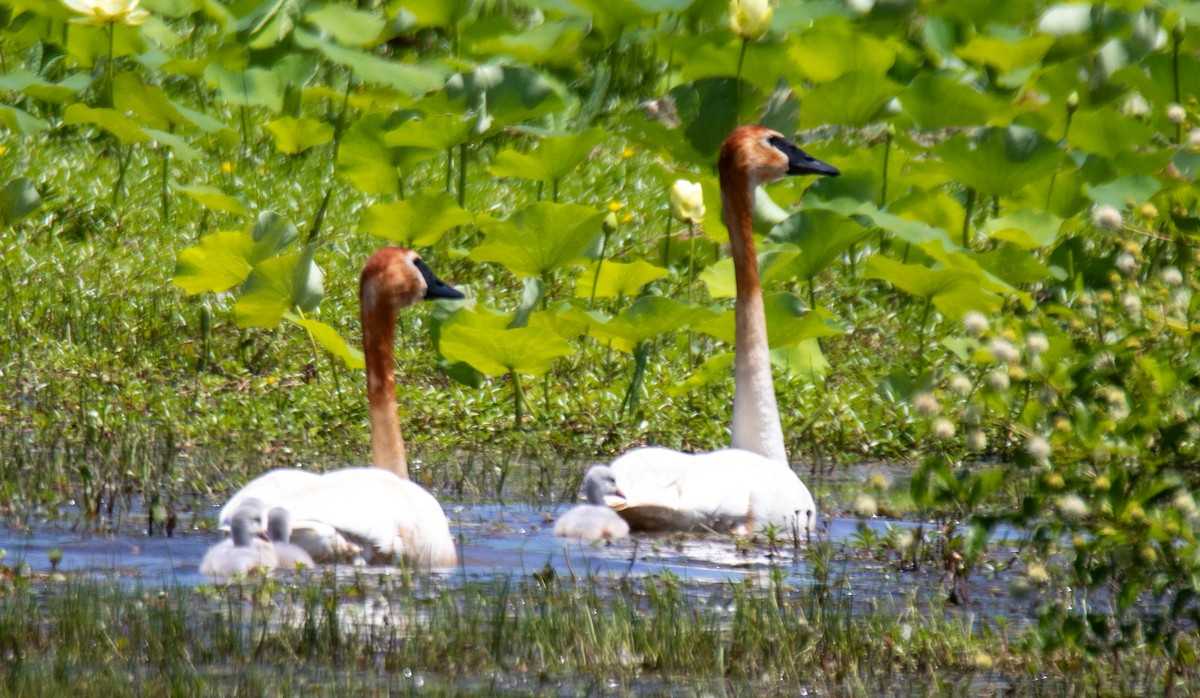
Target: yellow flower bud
[[750, 19], [687, 201]]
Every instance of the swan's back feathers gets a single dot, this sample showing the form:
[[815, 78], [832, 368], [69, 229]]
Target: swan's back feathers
[[358, 512], [726, 490]]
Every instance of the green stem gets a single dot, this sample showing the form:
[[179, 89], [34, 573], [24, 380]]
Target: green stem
[[108, 65], [518, 398], [966, 229], [737, 105], [691, 260], [462, 175], [887, 151], [599, 263], [121, 169], [1176, 35], [166, 200], [450, 168], [921, 335]]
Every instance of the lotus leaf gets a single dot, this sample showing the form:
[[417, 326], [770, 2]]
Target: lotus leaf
[[418, 221]]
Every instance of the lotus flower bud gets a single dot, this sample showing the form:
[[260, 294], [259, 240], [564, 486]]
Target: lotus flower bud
[[750, 19], [687, 201]]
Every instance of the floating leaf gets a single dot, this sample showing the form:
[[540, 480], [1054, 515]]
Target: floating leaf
[[474, 338], [329, 338], [1107, 132], [999, 161], [271, 233], [368, 162], [418, 221], [853, 99], [436, 132], [111, 120], [834, 47], [553, 159], [616, 278], [20, 121], [821, 237], [178, 144], [511, 94], [648, 317], [1004, 55], [18, 199], [412, 79], [1126, 191], [348, 27], [1029, 228], [213, 198], [149, 103], [953, 291], [935, 102], [540, 238], [295, 135], [217, 264], [268, 292], [804, 360]]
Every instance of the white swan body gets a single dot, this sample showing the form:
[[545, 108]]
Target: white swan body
[[243, 552], [727, 491], [353, 513], [373, 513], [595, 521], [750, 486]]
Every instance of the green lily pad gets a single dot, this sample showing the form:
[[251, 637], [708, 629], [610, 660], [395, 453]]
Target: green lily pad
[[999, 161], [616, 278], [552, 160], [821, 236], [296, 135], [348, 27], [125, 129], [1126, 191], [1029, 228], [540, 238], [852, 99], [18, 198], [218, 263], [648, 317], [475, 339], [329, 338], [213, 198], [418, 221], [954, 292]]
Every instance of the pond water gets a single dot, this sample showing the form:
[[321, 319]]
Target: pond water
[[514, 539]]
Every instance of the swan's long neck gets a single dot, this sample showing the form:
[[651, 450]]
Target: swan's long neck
[[756, 424], [379, 336]]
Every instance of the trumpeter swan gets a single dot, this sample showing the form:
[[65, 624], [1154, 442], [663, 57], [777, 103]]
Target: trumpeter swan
[[751, 485], [594, 520], [243, 552], [279, 532], [372, 512]]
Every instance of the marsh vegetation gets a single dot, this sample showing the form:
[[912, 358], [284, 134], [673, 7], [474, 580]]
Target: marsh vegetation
[[997, 299]]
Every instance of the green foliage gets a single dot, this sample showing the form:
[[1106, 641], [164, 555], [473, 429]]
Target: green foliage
[[1002, 285]]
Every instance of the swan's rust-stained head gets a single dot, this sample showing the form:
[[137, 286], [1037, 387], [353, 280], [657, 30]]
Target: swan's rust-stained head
[[758, 155], [392, 278], [400, 276]]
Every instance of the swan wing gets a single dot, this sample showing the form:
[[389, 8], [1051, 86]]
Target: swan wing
[[390, 516], [271, 488]]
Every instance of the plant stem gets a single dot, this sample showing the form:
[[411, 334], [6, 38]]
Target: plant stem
[[1176, 35], [966, 229], [121, 169], [691, 260], [108, 66], [921, 335], [737, 105], [518, 398], [166, 200], [462, 175]]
